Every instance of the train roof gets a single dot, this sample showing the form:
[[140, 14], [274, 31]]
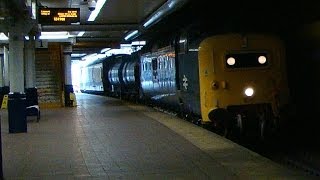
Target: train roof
[[106, 59]]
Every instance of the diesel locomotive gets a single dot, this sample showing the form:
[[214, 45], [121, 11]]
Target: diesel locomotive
[[234, 83]]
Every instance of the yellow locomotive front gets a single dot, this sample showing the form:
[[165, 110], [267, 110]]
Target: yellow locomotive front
[[243, 81]]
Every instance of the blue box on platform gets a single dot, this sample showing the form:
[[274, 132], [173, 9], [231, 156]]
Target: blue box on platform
[[17, 113]]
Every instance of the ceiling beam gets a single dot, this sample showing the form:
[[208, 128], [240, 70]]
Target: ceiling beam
[[103, 27], [98, 39], [96, 44]]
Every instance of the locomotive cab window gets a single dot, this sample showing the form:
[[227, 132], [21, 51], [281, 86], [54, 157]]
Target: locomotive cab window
[[247, 60]]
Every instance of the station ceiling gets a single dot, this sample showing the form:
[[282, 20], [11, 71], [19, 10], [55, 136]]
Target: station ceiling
[[117, 18]]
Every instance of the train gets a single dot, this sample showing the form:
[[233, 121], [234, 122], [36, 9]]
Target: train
[[116, 76], [234, 83]]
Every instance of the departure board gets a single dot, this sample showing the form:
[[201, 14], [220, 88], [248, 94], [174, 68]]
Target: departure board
[[58, 16]]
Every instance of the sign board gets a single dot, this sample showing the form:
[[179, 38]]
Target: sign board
[[73, 99], [4, 104], [58, 16]]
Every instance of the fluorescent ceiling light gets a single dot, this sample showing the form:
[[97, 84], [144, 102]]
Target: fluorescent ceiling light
[[119, 51], [99, 56], [105, 50], [3, 37], [55, 35], [172, 3], [131, 34], [137, 43], [125, 46], [96, 11], [164, 10], [74, 55], [153, 19], [81, 33], [89, 56]]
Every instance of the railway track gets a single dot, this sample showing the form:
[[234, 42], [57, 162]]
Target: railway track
[[303, 159], [306, 166]]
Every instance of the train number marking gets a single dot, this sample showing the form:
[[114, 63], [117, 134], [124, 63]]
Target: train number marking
[[185, 82]]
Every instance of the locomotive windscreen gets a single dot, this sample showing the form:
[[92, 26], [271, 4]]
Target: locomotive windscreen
[[246, 60]]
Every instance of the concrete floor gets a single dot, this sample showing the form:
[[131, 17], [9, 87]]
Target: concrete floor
[[104, 138]]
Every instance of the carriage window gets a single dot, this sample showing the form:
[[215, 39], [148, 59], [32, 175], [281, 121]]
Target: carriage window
[[246, 60], [154, 64]]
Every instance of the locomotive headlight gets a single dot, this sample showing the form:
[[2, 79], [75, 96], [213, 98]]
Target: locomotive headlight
[[249, 91], [262, 59], [231, 61]]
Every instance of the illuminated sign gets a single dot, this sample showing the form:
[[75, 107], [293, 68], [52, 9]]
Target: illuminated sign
[[58, 16]]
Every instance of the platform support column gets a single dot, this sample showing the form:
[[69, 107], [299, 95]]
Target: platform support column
[[4, 82], [1, 68], [1, 97], [5, 88], [68, 88], [17, 98], [1, 74], [1, 164], [31, 90]]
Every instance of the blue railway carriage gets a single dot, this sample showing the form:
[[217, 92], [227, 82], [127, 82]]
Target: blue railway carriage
[[234, 83], [158, 78], [121, 76], [91, 79]]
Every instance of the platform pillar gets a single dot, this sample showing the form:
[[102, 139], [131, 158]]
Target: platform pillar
[[17, 99], [1, 74], [1, 67], [1, 97], [68, 88], [31, 90], [1, 164], [5, 66]]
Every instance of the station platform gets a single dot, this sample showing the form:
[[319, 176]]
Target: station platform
[[105, 138]]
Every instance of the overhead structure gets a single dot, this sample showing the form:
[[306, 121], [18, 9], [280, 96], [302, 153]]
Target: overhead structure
[[114, 19]]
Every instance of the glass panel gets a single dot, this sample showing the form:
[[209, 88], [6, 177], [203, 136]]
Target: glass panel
[[246, 60]]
